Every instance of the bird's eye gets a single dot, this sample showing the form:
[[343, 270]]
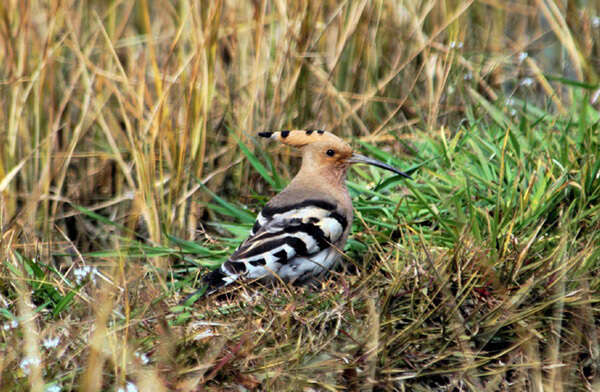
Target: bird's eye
[[330, 153]]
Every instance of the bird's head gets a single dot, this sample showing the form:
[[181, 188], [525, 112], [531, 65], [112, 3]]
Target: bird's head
[[323, 152]]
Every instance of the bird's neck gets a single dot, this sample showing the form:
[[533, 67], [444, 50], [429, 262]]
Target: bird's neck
[[331, 184], [329, 177]]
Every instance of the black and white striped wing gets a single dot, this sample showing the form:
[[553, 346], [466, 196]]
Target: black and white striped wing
[[280, 236]]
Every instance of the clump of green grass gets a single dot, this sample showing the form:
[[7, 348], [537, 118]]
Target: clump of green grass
[[128, 168]]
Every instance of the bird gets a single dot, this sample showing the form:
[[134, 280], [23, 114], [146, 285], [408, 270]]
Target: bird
[[299, 234]]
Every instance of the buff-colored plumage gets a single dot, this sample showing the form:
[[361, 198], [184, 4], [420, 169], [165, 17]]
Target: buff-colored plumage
[[300, 232]]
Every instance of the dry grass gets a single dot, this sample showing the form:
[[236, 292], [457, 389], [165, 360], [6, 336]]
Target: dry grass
[[128, 165]]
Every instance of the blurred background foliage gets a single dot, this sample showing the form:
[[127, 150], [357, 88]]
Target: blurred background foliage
[[121, 106]]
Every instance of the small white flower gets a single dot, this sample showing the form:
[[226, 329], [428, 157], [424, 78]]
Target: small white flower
[[596, 21], [468, 76], [93, 274], [143, 357], [509, 101], [53, 388], [84, 272], [527, 82], [455, 44], [129, 387], [513, 112], [523, 56], [51, 342], [80, 274], [10, 325], [27, 363]]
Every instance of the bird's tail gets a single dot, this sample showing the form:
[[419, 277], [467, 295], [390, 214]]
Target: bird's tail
[[212, 282]]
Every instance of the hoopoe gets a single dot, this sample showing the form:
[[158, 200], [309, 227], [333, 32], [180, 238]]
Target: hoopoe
[[300, 232]]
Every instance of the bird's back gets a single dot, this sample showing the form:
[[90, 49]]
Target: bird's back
[[298, 235]]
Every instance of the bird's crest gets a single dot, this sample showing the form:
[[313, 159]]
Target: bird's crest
[[300, 138]]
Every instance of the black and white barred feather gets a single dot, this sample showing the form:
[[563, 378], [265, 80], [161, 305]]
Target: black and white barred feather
[[295, 242]]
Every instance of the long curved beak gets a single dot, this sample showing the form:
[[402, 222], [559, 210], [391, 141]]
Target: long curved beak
[[358, 158]]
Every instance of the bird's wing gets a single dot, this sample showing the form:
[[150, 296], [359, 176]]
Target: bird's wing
[[282, 233]]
